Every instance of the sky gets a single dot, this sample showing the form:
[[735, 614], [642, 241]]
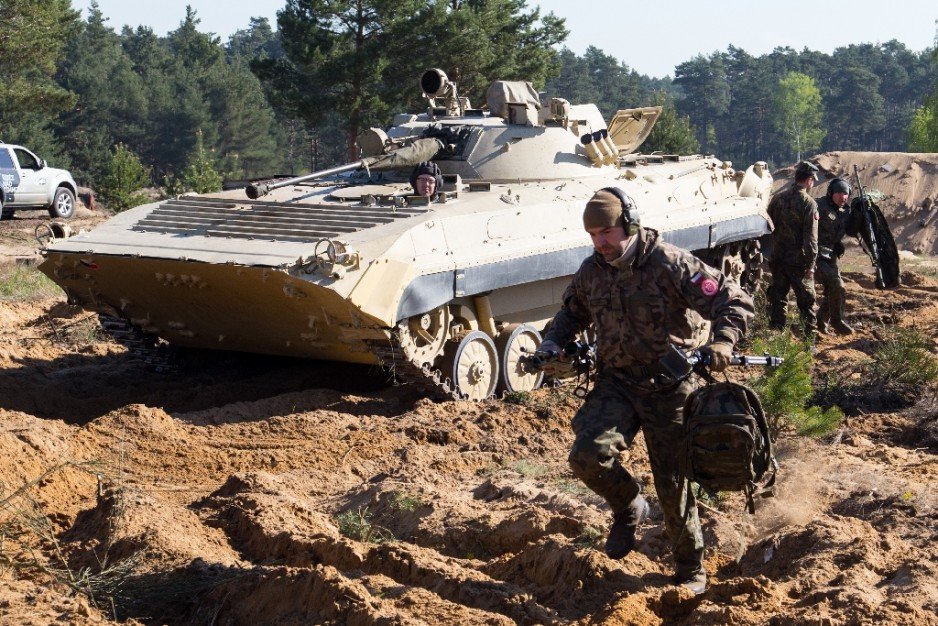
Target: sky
[[648, 39]]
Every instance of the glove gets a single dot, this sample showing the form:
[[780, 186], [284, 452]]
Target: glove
[[546, 352], [549, 350], [720, 354]]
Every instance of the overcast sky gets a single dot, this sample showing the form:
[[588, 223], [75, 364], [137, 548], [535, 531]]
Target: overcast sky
[[650, 37]]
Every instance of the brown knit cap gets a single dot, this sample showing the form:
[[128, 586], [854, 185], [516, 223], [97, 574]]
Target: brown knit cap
[[604, 210]]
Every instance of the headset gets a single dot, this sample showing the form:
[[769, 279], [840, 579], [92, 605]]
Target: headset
[[630, 216]]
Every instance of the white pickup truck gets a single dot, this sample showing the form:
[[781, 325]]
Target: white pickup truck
[[26, 182]]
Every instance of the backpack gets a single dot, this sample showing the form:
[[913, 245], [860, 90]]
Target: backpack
[[727, 444]]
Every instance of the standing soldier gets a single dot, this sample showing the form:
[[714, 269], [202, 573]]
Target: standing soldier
[[836, 221], [794, 250], [642, 296]]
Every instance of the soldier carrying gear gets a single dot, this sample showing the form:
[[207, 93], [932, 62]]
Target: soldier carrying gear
[[836, 220], [794, 249], [642, 296], [427, 179]]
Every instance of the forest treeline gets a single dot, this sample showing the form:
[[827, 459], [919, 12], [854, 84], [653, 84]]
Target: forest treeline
[[292, 96]]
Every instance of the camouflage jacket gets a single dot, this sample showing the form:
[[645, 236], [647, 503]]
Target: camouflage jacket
[[659, 300], [834, 224], [795, 217]]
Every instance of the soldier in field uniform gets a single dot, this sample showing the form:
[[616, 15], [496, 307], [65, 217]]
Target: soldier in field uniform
[[794, 250], [643, 295], [836, 221]]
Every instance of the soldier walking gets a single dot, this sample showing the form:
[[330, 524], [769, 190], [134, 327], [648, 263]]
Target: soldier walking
[[642, 296], [794, 250], [836, 221]]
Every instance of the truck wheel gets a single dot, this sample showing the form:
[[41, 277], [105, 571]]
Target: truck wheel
[[63, 204], [6, 211]]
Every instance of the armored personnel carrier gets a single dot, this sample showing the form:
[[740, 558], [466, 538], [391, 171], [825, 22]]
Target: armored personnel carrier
[[349, 264]]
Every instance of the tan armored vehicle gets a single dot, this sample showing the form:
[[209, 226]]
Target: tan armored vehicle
[[350, 265]]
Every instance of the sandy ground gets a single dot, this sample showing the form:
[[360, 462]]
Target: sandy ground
[[256, 490]]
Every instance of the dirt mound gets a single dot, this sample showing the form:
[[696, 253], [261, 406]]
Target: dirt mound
[[905, 187], [257, 490]]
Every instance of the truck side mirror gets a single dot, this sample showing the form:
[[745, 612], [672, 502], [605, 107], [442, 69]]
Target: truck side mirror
[[42, 163]]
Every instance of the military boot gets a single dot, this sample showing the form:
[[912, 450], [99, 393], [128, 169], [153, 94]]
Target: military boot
[[837, 317], [841, 327], [823, 313], [696, 582], [621, 538]]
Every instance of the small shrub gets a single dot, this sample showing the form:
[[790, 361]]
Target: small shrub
[[19, 283], [786, 390], [359, 526], [172, 186], [200, 174], [573, 487], [522, 398], [905, 357], [124, 175], [589, 538], [401, 501], [530, 469]]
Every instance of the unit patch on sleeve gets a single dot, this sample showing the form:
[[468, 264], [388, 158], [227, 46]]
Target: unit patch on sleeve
[[707, 285]]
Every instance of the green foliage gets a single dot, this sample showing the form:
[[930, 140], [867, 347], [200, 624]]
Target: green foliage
[[905, 357], [603, 80], [357, 53], [589, 538], [705, 83], [522, 398], [530, 469], [672, 133], [401, 501], [19, 283], [799, 112], [359, 526], [785, 391], [32, 36], [200, 175], [123, 177], [32, 40], [923, 130]]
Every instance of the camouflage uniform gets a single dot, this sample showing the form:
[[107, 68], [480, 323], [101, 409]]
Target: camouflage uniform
[[794, 251], [833, 225], [638, 312]]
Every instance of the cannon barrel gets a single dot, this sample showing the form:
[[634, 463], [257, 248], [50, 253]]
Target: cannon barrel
[[406, 157]]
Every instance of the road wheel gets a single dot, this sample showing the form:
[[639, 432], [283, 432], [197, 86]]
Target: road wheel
[[471, 363], [514, 342], [63, 204], [6, 211]]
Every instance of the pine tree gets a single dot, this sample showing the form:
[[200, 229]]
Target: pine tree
[[672, 133], [32, 39], [122, 179], [200, 174]]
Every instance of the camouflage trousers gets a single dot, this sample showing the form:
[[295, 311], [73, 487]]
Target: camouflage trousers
[[606, 424], [827, 274], [787, 277]]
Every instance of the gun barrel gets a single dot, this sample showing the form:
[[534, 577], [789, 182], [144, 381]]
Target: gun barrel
[[737, 359], [408, 156], [255, 191]]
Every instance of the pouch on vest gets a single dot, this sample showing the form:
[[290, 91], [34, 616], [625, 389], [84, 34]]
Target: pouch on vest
[[727, 444]]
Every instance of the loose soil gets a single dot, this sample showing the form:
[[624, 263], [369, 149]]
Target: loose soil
[[254, 490]]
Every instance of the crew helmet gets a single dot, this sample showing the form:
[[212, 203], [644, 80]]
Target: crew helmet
[[838, 185]]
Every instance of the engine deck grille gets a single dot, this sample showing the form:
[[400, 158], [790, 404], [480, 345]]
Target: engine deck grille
[[274, 221]]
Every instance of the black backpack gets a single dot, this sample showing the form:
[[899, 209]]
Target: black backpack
[[727, 444]]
